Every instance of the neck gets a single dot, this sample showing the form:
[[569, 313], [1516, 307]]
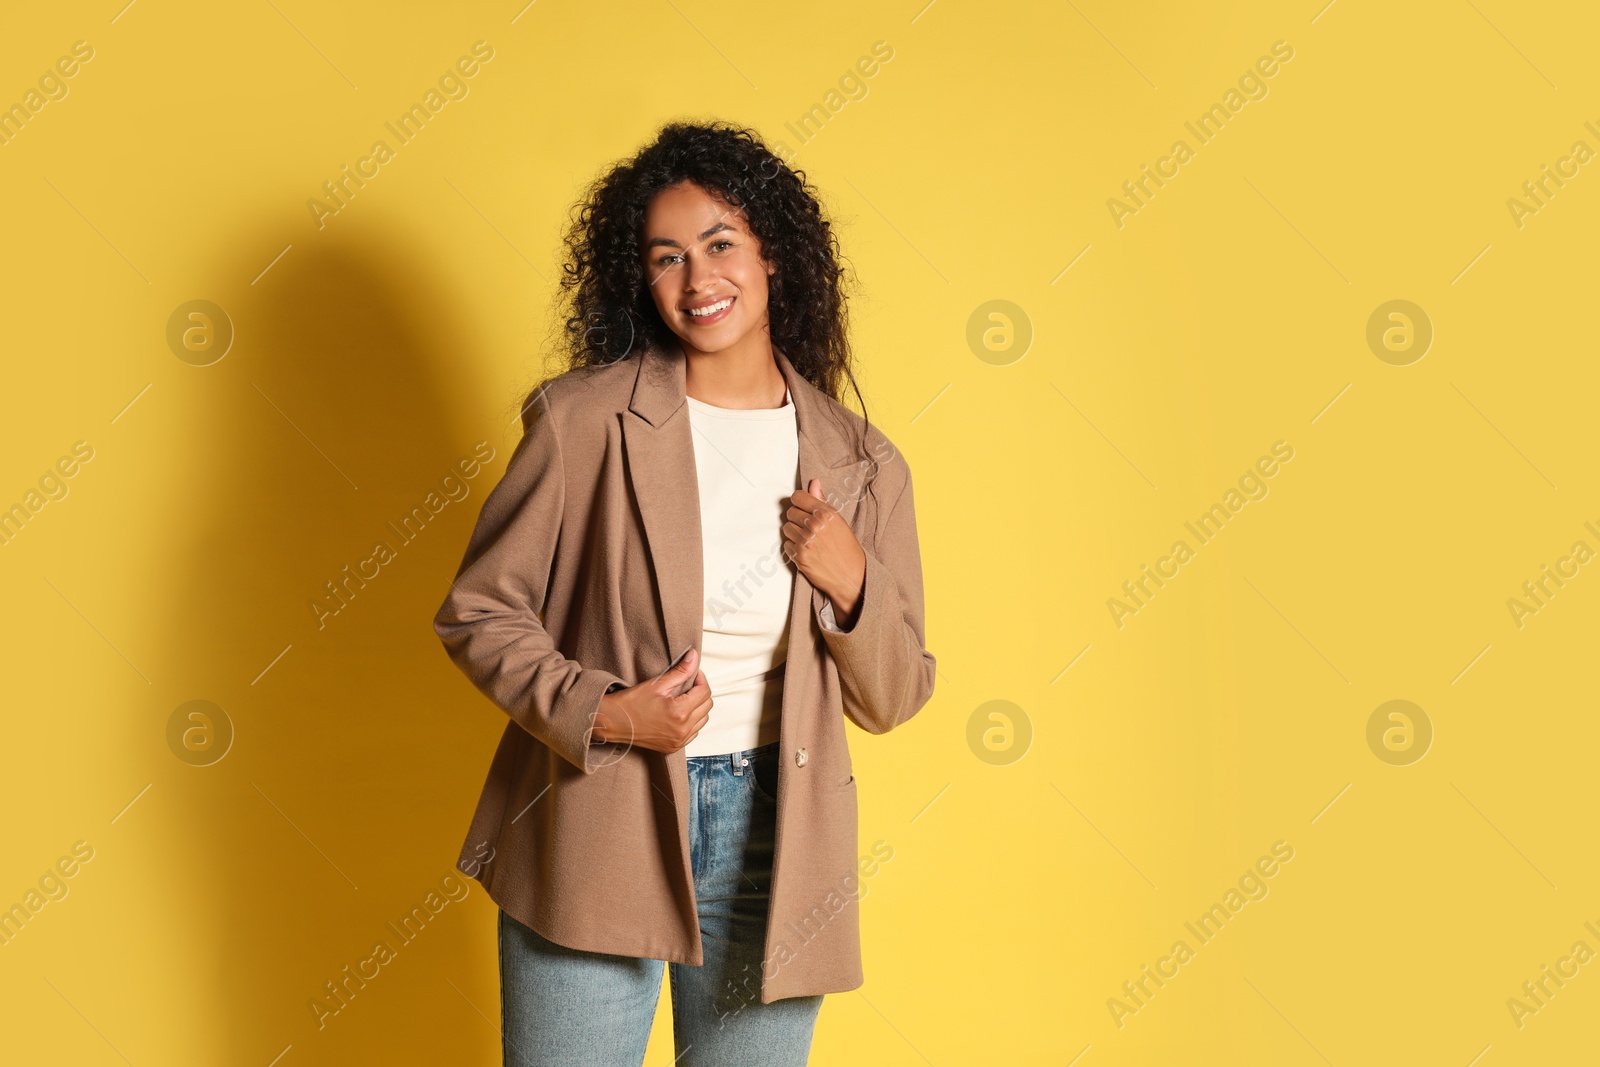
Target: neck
[[745, 376]]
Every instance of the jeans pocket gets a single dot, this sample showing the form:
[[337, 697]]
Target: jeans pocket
[[764, 777]]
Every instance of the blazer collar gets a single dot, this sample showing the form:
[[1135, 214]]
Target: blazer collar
[[659, 389]]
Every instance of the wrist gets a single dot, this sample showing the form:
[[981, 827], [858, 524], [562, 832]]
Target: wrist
[[601, 733], [845, 609]]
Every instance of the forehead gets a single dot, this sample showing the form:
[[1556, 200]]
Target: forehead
[[687, 209]]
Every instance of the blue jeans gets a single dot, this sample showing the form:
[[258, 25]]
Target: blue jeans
[[565, 1007]]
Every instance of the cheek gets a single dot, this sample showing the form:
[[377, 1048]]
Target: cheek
[[755, 281], [653, 282]]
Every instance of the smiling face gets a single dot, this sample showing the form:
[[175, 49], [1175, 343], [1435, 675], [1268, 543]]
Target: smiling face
[[705, 271]]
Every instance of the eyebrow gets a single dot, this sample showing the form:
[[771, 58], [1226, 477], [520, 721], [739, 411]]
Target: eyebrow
[[667, 241]]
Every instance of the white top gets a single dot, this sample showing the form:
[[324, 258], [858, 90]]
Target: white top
[[748, 464]]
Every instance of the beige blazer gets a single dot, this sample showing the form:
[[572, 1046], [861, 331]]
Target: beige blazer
[[584, 569]]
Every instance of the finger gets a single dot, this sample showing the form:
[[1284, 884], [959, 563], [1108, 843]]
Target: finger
[[704, 708], [693, 725], [701, 690], [813, 491], [805, 501], [788, 552], [813, 522], [795, 537], [699, 721], [678, 673]]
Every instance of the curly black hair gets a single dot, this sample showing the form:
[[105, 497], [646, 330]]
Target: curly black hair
[[605, 309], [605, 304]]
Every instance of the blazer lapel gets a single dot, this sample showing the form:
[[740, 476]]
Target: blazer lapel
[[661, 472], [825, 448]]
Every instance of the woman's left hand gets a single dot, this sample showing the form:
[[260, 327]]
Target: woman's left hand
[[825, 549]]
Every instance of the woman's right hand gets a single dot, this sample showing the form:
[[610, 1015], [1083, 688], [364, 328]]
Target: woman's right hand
[[647, 715]]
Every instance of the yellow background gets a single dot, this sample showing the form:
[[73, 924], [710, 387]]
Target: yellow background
[[372, 353]]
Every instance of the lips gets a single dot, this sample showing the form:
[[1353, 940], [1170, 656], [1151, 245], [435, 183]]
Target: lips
[[722, 304]]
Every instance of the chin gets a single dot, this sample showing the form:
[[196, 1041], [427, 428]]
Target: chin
[[710, 340]]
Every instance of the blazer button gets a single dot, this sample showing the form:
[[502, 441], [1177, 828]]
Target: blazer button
[[800, 757]]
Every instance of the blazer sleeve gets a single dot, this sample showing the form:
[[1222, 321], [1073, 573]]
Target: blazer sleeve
[[490, 621], [886, 672]]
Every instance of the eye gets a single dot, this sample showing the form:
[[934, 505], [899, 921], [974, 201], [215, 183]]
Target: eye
[[715, 246]]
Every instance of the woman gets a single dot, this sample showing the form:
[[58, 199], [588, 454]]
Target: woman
[[699, 812]]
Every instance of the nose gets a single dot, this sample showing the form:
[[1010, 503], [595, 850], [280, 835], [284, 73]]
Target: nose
[[698, 273]]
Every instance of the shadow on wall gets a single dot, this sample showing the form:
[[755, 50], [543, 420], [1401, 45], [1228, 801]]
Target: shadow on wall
[[327, 454]]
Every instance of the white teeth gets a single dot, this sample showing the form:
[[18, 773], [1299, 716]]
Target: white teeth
[[710, 309]]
